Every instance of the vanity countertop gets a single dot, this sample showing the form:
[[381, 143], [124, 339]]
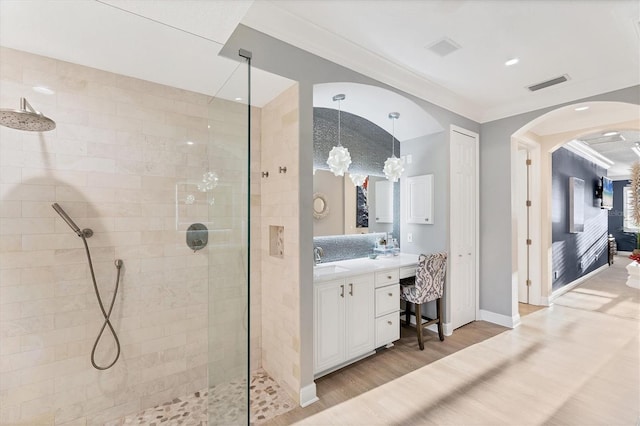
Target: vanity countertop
[[346, 268]]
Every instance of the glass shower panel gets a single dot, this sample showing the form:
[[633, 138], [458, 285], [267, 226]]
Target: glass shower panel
[[226, 187]]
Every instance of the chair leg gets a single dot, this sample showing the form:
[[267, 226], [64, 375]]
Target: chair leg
[[407, 314], [439, 313], [419, 326]]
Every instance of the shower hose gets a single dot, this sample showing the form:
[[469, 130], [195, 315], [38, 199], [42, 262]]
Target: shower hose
[[106, 314]]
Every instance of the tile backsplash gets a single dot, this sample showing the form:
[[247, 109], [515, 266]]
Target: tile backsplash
[[344, 247]]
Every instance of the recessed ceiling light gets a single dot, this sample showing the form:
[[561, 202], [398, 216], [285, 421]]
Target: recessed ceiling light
[[238, 99], [512, 61], [610, 134], [208, 126], [44, 90], [190, 142], [582, 108]]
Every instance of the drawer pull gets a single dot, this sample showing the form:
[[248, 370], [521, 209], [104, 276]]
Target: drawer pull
[[389, 322], [389, 277], [390, 294]]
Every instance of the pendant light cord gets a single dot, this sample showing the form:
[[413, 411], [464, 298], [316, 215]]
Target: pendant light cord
[[393, 137], [339, 141]]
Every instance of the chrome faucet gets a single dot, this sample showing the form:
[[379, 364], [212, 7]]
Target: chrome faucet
[[317, 255]]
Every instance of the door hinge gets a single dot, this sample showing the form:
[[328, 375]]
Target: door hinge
[[528, 241], [528, 283], [528, 162], [528, 203]]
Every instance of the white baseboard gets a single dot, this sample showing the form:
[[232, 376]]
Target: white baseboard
[[625, 253], [308, 395], [545, 301], [503, 320], [559, 292]]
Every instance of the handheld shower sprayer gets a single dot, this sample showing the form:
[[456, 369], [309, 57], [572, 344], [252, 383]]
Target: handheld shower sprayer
[[84, 234]]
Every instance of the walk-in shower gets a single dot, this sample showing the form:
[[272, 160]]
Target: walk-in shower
[[122, 172], [26, 118]]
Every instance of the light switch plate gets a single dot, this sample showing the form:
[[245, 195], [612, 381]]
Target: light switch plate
[[409, 158], [409, 237]]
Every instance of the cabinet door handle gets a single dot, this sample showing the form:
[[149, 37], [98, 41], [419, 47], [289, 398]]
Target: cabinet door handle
[[341, 290], [350, 289], [390, 294], [389, 322]]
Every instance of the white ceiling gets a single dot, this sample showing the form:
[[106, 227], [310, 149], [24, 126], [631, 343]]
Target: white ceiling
[[617, 149], [176, 43], [595, 42], [167, 42]]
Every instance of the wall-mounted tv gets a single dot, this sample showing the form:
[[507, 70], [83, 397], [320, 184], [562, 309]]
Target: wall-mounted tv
[[607, 193]]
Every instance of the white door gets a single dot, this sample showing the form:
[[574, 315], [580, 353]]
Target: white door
[[463, 228], [329, 317], [360, 315], [384, 201]]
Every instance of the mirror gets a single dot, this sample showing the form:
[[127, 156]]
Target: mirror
[[354, 210], [320, 206]]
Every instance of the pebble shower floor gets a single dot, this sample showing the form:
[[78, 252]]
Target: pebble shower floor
[[268, 400]]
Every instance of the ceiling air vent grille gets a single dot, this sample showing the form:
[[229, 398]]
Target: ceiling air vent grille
[[444, 47], [549, 83]]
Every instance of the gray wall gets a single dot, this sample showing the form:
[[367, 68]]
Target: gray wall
[[430, 155], [495, 199], [576, 254], [286, 60]]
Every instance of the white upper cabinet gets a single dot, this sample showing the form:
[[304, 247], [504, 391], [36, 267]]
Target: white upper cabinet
[[420, 199], [384, 202]]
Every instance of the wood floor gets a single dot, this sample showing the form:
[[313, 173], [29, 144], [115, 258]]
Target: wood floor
[[576, 363]]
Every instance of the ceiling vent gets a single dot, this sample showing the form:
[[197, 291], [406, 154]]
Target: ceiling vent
[[444, 47], [549, 83]]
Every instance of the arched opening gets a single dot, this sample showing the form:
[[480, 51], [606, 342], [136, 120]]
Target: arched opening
[[531, 191]]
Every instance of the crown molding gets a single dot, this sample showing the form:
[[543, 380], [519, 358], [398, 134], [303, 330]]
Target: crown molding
[[279, 23], [588, 153]]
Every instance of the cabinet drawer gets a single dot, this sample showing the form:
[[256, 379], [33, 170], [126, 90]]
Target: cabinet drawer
[[387, 277], [408, 271], [387, 329], [387, 299]]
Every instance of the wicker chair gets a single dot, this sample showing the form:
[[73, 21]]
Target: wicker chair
[[426, 286]]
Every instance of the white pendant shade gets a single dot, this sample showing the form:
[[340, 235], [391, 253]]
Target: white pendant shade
[[339, 157], [358, 180], [339, 160], [393, 168]]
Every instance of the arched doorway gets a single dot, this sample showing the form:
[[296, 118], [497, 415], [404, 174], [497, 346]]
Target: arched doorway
[[532, 147]]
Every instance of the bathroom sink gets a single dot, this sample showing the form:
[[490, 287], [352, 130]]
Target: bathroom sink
[[320, 270]]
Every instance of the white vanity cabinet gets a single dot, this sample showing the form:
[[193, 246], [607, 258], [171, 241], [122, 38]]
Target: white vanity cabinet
[[387, 288], [343, 316]]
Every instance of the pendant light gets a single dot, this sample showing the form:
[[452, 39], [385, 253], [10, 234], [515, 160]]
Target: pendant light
[[394, 166], [339, 157], [357, 179]]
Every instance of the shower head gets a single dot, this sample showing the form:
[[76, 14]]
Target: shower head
[[67, 219], [26, 118]]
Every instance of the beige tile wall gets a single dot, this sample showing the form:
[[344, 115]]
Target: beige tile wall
[[113, 163], [280, 277]]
